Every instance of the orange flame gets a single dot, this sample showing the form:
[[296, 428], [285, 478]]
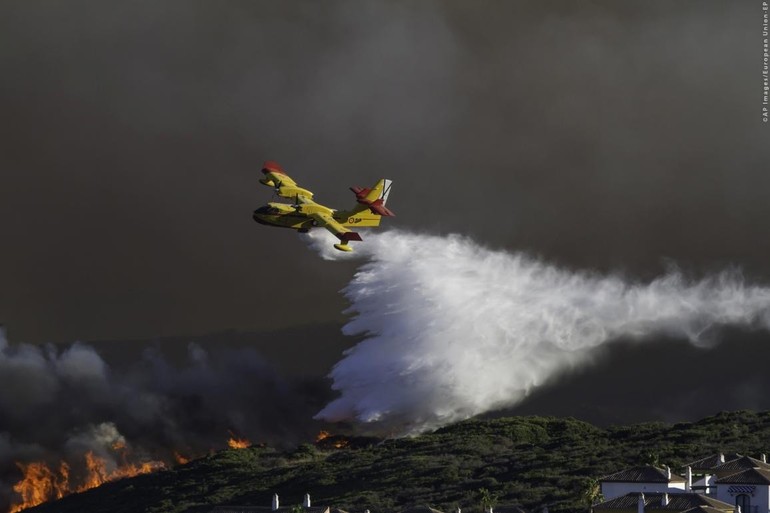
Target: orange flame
[[41, 484], [181, 460], [336, 441], [238, 443], [97, 472]]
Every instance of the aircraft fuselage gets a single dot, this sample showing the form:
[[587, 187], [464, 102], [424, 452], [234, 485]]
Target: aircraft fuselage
[[296, 217]]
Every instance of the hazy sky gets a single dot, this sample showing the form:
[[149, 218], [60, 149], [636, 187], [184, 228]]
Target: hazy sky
[[598, 135], [616, 138], [606, 141]]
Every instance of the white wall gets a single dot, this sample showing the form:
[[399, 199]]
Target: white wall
[[760, 499]]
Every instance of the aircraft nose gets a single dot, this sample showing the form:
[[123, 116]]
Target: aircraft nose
[[257, 217]]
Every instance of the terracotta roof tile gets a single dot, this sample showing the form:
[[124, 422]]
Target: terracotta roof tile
[[709, 462], [676, 502], [739, 465], [644, 474], [750, 476]]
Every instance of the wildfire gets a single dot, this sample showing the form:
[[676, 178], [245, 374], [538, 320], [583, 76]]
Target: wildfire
[[98, 474], [181, 460], [238, 443], [41, 484], [336, 441]]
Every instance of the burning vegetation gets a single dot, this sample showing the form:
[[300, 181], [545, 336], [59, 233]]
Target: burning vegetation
[[326, 440], [236, 442], [42, 484], [43, 481]]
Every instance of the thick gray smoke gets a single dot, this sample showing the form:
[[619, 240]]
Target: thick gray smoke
[[57, 404], [454, 329]]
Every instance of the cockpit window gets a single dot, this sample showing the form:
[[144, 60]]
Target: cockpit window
[[268, 210]]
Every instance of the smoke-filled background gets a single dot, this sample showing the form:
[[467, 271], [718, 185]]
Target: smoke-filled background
[[606, 162]]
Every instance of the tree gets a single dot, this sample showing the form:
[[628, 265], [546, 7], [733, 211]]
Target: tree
[[488, 499], [592, 492]]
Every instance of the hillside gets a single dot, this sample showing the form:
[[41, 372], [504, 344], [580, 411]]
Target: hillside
[[527, 461]]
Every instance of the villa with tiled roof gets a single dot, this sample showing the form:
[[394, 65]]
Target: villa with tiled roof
[[739, 465], [705, 472], [749, 489], [644, 478], [706, 475], [661, 502], [709, 463], [732, 483], [703, 509], [701, 472]]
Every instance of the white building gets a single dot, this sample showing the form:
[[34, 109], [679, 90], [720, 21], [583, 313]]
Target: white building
[[645, 479], [749, 489], [702, 471], [663, 503]]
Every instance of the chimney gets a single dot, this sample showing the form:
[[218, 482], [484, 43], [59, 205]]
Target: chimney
[[489, 510], [764, 458], [664, 500], [459, 510], [688, 479], [640, 504], [306, 502], [737, 508], [276, 504], [721, 458], [668, 472]]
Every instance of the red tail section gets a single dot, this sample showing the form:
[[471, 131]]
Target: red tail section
[[377, 206], [272, 167]]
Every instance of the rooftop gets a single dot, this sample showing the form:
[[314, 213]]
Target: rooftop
[[709, 462], [643, 474], [266, 509], [750, 476], [739, 465], [676, 502]]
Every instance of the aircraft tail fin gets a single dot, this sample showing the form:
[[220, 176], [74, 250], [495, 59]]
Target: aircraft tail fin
[[376, 197]]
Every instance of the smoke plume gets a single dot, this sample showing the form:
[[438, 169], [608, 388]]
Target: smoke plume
[[454, 329], [58, 405]]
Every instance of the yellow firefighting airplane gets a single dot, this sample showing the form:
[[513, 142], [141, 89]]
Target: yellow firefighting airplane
[[305, 213]]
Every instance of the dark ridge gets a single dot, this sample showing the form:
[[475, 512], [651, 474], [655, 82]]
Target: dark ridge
[[528, 462]]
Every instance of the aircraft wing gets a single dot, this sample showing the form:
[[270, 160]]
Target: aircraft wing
[[328, 222], [284, 185]]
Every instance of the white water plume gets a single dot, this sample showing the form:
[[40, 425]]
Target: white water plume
[[453, 329]]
